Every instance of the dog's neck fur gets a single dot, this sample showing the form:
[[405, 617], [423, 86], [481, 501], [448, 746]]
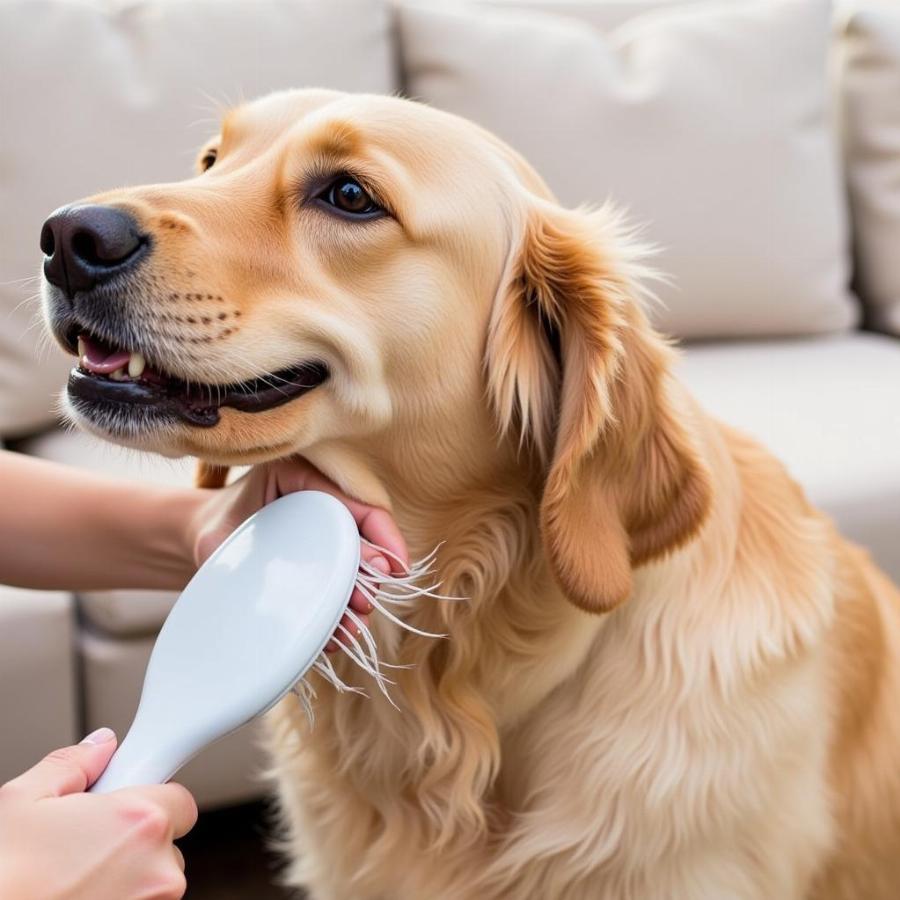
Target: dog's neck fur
[[522, 637], [484, 515], [445, 768], [516, 639]]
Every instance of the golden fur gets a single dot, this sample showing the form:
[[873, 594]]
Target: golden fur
[[672, 679]]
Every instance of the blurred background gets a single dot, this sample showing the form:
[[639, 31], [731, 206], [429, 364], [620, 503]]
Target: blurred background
[[756, 143]]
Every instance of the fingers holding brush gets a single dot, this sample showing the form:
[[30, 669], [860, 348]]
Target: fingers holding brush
[[382, 547], [376, 525], [220, 512]]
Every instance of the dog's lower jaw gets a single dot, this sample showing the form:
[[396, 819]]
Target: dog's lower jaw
[[154, 436], [353, 470]]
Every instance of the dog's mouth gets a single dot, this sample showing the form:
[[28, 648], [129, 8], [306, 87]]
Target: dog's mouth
[[114, 377]]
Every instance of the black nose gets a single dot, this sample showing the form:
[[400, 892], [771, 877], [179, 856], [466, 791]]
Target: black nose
[[86, 245]]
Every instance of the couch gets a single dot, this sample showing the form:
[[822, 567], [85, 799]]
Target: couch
[[755, 144]]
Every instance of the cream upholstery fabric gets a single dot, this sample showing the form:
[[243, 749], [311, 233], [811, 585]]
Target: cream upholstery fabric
[[870, 94], [602, 14], [97, 94], [37, 677], [708, 121], [113, 673], [828, 409], [126, 613]]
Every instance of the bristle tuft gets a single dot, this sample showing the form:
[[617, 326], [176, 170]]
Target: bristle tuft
[[381, 590]]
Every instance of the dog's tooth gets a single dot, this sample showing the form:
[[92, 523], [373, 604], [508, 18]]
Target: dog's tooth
[[119, 375], [82, 348], [136, 365]]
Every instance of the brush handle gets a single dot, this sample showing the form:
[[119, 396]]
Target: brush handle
[[145, 758], [248, 626]]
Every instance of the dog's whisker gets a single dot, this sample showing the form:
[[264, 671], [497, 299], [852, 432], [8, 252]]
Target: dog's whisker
[[267, 378], [31, 298], [20, 282], [216, 106]]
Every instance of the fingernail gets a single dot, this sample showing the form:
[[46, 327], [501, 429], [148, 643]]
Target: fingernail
[[382, 565], [100, 736]]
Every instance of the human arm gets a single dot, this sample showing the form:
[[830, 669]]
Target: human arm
[[63, 528]]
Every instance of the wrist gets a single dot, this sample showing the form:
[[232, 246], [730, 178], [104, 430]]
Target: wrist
[[177, 514]]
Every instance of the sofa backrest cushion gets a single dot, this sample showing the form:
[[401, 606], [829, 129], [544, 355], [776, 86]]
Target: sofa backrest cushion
[[94, 95], [710, 122], [870, 125]]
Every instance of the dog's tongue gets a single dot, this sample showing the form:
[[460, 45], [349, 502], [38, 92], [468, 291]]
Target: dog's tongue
[[101, 359]]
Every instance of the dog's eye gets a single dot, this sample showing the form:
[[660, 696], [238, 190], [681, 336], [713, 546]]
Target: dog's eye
[[350, 197], [209, 159]]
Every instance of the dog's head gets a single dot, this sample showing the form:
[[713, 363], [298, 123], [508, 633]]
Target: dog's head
[[378, 278]]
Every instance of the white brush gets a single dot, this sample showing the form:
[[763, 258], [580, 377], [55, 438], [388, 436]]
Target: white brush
[[251, 622]]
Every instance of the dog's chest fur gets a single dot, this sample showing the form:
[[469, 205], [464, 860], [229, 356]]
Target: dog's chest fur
[[612, 761]]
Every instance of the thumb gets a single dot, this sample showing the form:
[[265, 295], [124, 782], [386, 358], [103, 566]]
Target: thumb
[[69, 770]]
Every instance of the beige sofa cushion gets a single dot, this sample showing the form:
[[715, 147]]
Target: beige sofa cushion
[[98, 94], [828, 409], [708, 121], [870, 83], [38, 703]]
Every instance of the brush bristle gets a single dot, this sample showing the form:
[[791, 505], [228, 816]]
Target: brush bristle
[[383, 591]]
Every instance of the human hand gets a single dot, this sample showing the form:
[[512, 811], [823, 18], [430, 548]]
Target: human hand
[[59, 843], [227, 507]]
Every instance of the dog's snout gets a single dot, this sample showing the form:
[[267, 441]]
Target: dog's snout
[[85, 245]]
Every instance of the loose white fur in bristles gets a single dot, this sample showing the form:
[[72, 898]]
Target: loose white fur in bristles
[[384, 592]]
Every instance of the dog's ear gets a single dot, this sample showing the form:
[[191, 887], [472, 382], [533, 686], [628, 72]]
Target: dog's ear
[[210, 476], [575, 367]]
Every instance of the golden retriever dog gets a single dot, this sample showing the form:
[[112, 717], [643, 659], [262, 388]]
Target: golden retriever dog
[[671, 678]]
